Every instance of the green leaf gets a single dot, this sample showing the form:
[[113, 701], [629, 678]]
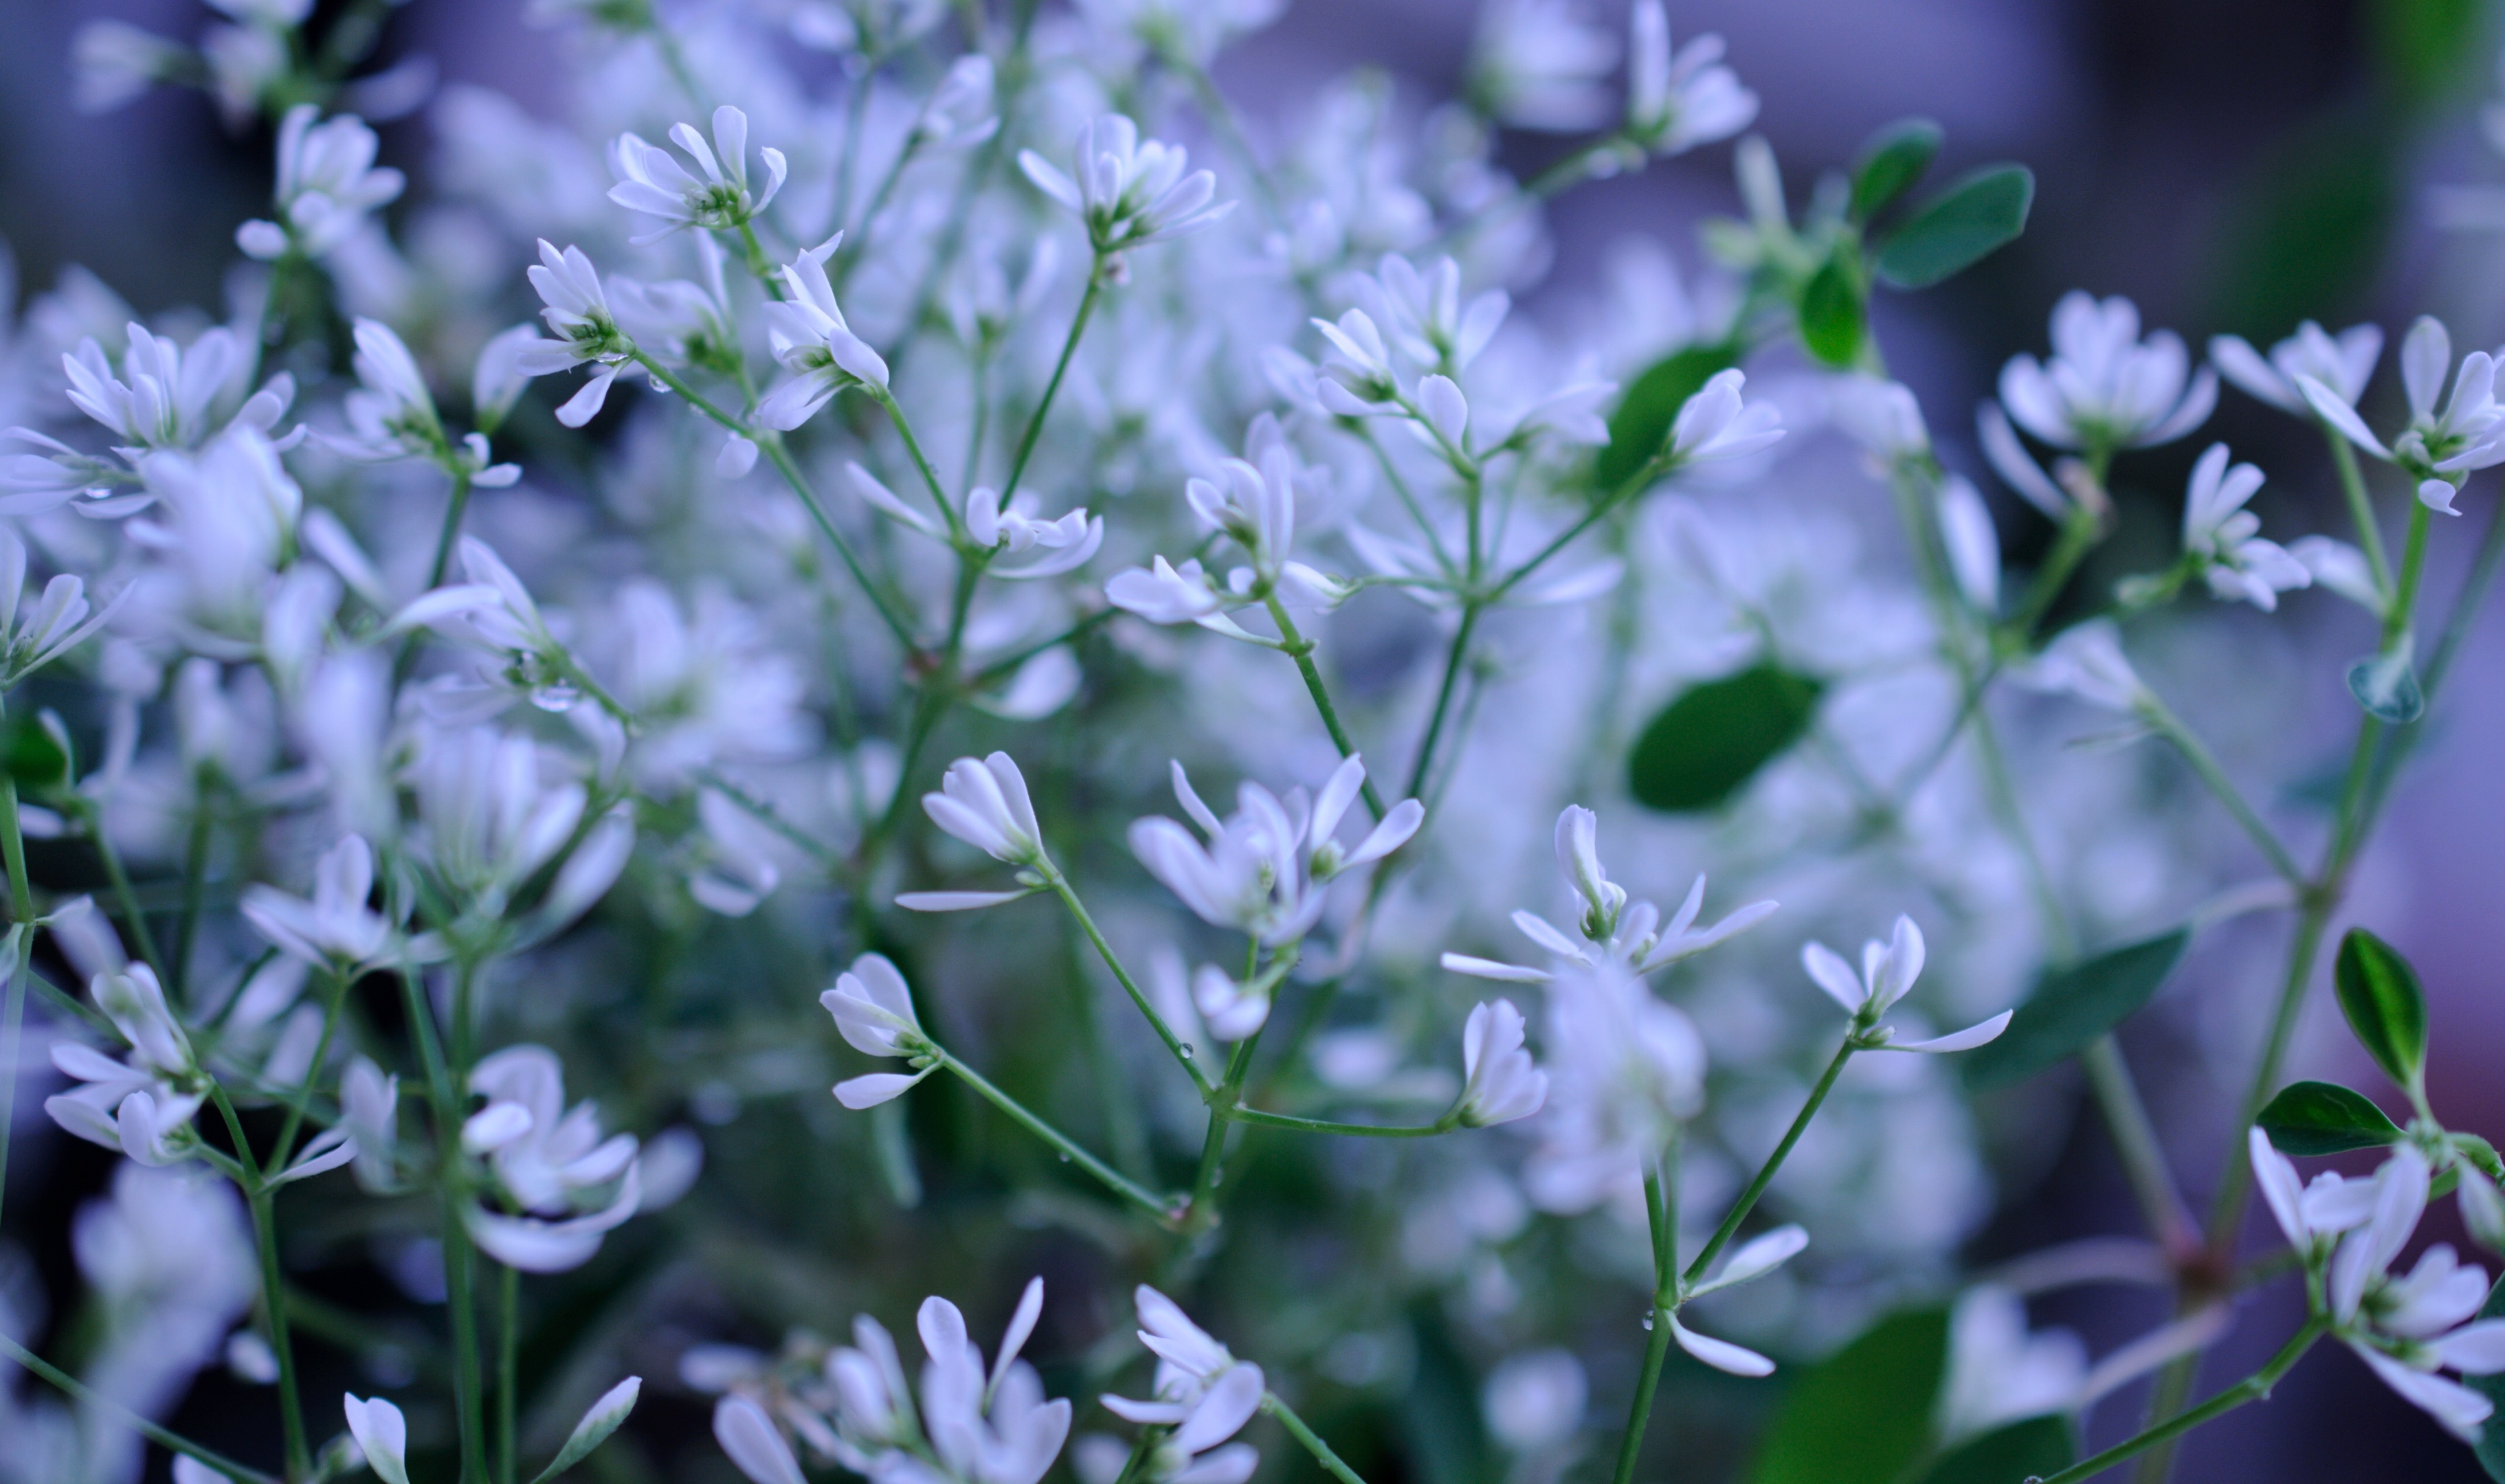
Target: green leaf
[[1644, 415], [2425, 46], [2491, 1441], [1863, 1416], [1698, 750], [2324, 1117], [1954, 229], [1893, 160], [605, 1417], [33, 755], [2478, 1150], [2387, 686], [2073, 1006], [2032, 1447], [2379, 994], [1832, 316]]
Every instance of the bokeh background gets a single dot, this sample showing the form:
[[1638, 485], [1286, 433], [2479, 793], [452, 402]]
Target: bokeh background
[[2232, 165]]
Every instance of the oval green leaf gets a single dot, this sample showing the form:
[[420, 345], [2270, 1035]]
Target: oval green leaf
[[33, 755], [1699, 750], [2073, 1006], [2029, 1448], [2379, 994], [2388, 689], [1893, 160], [1862, 1416], [1643, 421], [2324, 1117], [1957, 229], [1833, 317]]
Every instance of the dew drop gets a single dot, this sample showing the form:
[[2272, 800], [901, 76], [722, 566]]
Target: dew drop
[[558, 699], [1065, 1159], [1186, 1053], [1648, 1321]]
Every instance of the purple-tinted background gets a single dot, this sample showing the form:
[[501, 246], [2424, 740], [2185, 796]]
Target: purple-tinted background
[[2156, 129]]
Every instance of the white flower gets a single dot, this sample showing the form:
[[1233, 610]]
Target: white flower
[[1534, 1399], [492, 612], [1163, 593], [1998, 1372], [1678, 100], [985, 802], [1257, 506], [488, 815], [1713, 425], [1972, 544], [958, 113], [327, 185], [985, 1425], [807, 333], [55, 624], [1624, 1071], [651, 182], [587, 330], [117, 61], [1204, 1394], [497, 380], [335, 929], [1538, 64], [1615, 933], [166, 392], [749, 1439], [873, 1009], [1066, 543], [2104, 386], [1501, 1082], [1264, 865], [2087, 661], [2406, 1329], [1888, 970], [2439, 448], [2223, 535], [369, 1110], [1356, 379], [2016, 466], [143, 1104], [2343, 363], [571, 1185], [1422, 315], [2340, 566], [1881, 416], [1129, 191], [382, 1436]]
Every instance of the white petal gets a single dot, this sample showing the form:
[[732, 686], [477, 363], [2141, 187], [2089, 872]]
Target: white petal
[[1721, 1355]]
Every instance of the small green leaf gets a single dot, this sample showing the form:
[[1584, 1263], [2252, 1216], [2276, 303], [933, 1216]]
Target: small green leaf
[[1832, 316], [2324, 1117], [2032, 1447], [1698, 750], [1862, 1416], [1643, 421], [33, 755], [1954, 229], [2388, 687], [2073, 1006], [2492, 1442], [2478, 1150], [604, 1417], [1893, 160], [2379, 994]]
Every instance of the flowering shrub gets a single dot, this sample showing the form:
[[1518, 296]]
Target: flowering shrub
[[432, 802]]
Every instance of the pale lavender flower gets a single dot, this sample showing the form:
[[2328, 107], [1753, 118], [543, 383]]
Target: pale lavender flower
[[327, 185], [1888, 970], [1129, 191], [2105, 387], [650, 180]]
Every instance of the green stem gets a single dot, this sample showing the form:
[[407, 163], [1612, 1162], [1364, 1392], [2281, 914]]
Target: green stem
[[771, 443], [1114, 1180], [22, 928], [273, 1298], [2078, 534], [856, 122], [1060, 885], [1454, 659], [2134, 1138], [677, 62], [508, 1301], [467, 1381], [1238, 1114], [2405, 598], [171, 1441], [1052, 388], [2361, 509], [929, 478], [1302, 650], [2223, 788], [92, 820], [196, 880], [285, 1149], [1296, 1428], [1765, 1175], [2253, 1388]]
